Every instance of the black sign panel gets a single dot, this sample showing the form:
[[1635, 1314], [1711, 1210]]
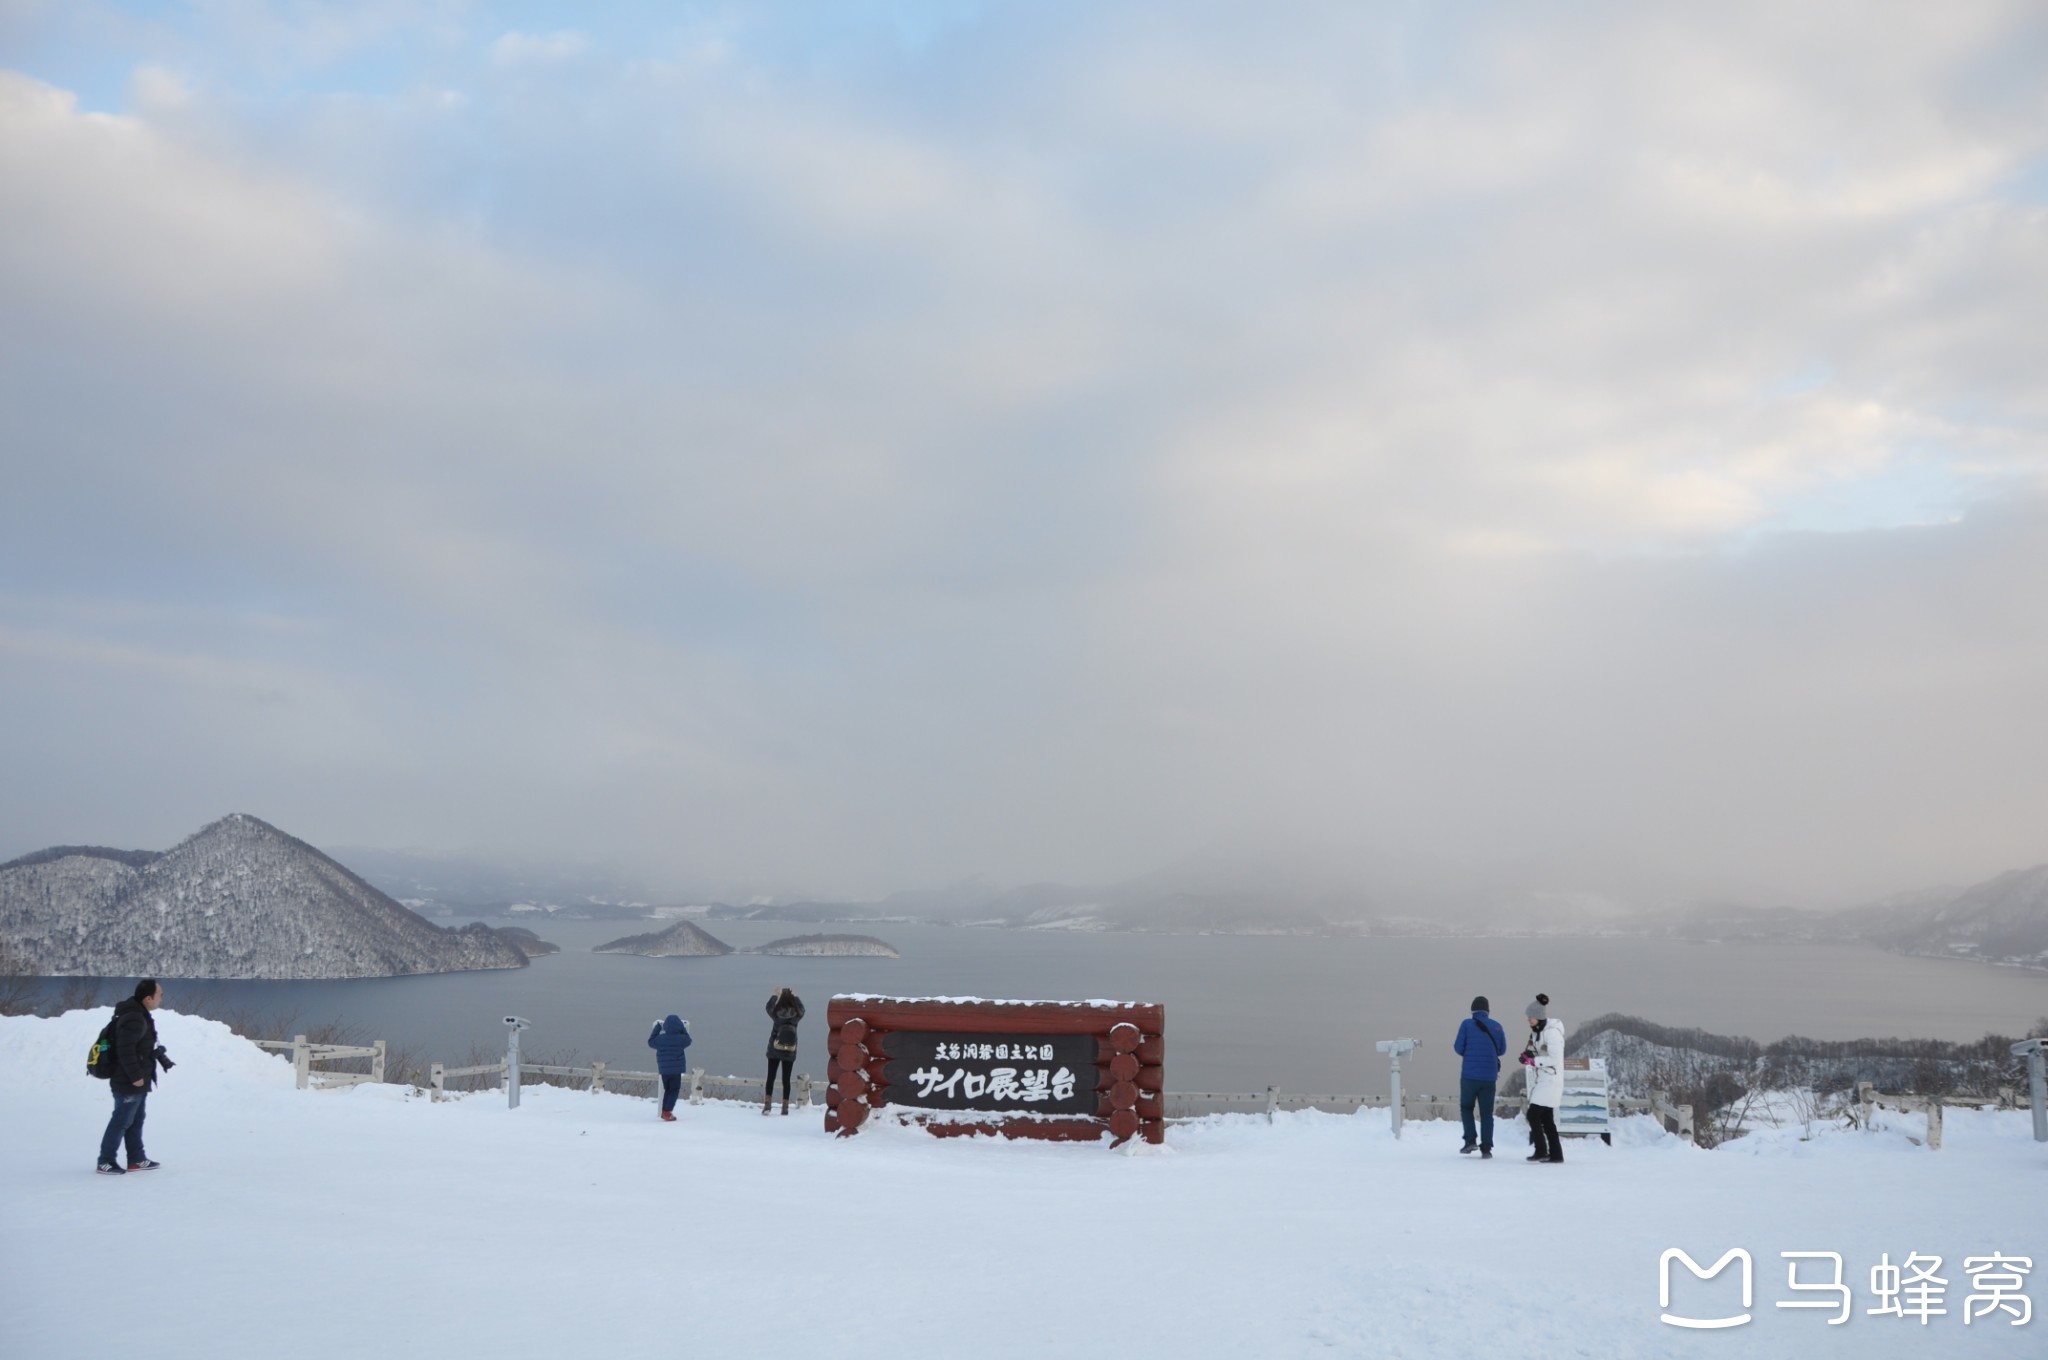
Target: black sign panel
[[1009, 1073]]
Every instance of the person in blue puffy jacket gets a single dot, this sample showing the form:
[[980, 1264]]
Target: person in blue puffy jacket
[[670, 1042], [1480, 1042]]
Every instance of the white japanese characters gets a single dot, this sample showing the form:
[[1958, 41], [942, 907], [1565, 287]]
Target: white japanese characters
[[988, 1052], [1025, 1086]]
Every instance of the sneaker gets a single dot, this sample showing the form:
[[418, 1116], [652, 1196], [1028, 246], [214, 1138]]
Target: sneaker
[[109, 1169], [1535, 1157], [668, 1116], [144, 1165], [1470, 1146]]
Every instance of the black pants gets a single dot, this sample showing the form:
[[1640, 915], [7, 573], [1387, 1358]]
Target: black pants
[[1475, 1093], [783, 1061], [1543, 1132]]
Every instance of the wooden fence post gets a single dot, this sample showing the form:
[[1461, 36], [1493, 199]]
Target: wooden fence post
[[436, 1081], [596, 1077], [377, 1061], [302, 1062], [1934, 1123]]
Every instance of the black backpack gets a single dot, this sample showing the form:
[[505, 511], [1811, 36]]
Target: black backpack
[[99, 1059], [784, 1039]]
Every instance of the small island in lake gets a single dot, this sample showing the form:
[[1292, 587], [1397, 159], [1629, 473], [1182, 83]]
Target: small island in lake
[[681, 940], [525, 941], [829, 946]]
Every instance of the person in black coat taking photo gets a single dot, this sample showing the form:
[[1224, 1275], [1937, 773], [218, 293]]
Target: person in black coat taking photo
[[785, 1013], [136, 1057]]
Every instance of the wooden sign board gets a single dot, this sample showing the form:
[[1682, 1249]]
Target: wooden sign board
[[1065, 1070]]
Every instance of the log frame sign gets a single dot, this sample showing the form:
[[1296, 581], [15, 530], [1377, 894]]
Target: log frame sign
[[1065, 1070]]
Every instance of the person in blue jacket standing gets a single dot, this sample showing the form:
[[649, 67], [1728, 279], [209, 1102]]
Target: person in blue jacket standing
[[1480, 1042], [670, 1042]]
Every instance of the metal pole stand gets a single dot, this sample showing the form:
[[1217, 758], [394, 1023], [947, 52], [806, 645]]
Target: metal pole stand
[[514, 1024], [1395, 1049], [2031, 1050]]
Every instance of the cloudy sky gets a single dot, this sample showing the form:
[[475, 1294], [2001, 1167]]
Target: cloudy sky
[[843, 446]]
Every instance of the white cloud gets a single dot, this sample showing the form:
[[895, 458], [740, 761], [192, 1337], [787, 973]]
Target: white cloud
[[1047, 457], [518, 49]]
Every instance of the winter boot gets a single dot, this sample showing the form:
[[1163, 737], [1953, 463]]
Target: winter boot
[[668, 1116], [1471, 1145], [766, 1103], [785, 1104], [1486, 1153]]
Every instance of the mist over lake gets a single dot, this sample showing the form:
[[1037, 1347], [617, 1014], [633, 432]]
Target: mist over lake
[[1243, 1012]]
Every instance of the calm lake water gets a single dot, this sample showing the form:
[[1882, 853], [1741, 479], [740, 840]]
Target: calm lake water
[[1242, 1011]]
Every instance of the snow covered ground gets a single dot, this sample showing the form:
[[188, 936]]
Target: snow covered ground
[[372, 1222]]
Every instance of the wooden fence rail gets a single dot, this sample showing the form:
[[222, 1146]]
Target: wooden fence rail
[[1871, 1100], [1180, 1105], [304, 1055]]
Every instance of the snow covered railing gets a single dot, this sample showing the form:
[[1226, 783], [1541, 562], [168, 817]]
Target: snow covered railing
[[1675, 1118], [699, 1084], [304, 1055], [1185, 1105], [1872, 1100]]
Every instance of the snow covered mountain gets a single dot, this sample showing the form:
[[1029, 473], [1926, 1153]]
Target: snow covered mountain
[[682, 939], [239, 899], [829, 946], [2003, 919]]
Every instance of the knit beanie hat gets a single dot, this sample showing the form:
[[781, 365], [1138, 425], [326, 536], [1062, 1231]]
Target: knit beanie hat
[[1536, 1011], [1479, 1003]]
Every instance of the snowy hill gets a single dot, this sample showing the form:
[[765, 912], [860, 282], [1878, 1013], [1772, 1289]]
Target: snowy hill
[[1640, 1055], [681, 940], [2004, 919], [328, 1224], [829, 946], [240, 899]]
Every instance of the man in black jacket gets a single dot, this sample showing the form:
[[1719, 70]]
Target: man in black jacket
[[137, 1055]]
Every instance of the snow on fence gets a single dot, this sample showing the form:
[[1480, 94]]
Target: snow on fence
[[1179, 1105], [597, 1077], [1869, 1100], [304, 1055]]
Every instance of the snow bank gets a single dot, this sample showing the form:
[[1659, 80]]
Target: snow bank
[[322, 1224]]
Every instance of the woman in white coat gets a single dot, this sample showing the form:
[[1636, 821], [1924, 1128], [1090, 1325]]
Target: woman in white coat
[[1544, 1058]]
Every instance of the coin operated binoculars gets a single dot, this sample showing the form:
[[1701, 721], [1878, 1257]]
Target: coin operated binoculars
[[513, 1024], [1396, 1049], [2032, 1051]]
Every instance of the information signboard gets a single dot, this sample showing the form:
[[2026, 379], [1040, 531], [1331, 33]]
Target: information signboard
[[1023, 1069]]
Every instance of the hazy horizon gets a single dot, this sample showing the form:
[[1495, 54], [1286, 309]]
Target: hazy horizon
[[854, 448]]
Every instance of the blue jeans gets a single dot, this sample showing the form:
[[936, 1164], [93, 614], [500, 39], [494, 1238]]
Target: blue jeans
[[671, 1087], [127, 1121], [1471, 1090]]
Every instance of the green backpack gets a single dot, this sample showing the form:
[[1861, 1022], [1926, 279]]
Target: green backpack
[[99, 1059]]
